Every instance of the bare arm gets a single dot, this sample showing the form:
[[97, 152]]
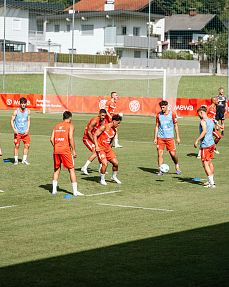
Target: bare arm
[[155, 133], [12, 121], [72, 141], [177, 132], [27, 131], [203, 133], [52, 138], [96, 135], [90, 128]]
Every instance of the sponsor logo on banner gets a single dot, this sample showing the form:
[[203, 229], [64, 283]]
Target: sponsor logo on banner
[[9, 102], [183, 108], [134, 106], [102, 104]]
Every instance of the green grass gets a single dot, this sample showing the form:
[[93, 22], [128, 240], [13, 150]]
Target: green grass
[[189, 86], [53, 241]]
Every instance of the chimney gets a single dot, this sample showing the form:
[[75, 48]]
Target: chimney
[[192, 12], [109, 5]]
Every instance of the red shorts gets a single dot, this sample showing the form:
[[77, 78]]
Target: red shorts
[[65, 159], [207, 153], [105, 154], [168, 143], [217, 134], [20, 137], [89, 144]]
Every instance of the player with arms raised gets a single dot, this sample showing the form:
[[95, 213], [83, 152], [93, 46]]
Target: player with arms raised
[[62, 139], [88, 139], [166, 122], [103, 138]]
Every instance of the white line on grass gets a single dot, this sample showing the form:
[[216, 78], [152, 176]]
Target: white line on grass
[[103, 193], [7, 206], [136, 207], [2, 191]]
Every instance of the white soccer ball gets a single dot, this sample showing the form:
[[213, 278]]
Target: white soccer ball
[[121, 114], [164, 168]]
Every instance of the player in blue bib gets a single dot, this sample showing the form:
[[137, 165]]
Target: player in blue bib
[[207, 144], [20, 123]]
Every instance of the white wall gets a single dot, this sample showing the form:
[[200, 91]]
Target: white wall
[[17, 25]]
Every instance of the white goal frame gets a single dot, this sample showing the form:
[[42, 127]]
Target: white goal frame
[[162, 71]]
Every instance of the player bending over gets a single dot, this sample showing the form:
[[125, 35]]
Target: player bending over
[[166, 122], [20, 123], [62, 139], [103, 138], [207, 145], [88, 140]]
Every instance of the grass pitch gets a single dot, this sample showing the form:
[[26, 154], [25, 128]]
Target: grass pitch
[[178, 235]]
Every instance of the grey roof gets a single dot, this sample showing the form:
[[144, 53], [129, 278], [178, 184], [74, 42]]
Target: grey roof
[[104, 13], [183, 22]]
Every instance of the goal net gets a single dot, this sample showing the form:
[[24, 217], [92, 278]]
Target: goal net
[[83, 89]]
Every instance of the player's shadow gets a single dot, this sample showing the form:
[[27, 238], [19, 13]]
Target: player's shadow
[[148, 169], [188, 180], [192, 154], [91, 178], [48, 187]]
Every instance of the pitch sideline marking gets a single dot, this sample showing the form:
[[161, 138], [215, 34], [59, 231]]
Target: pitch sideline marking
[[7, 206], [136, 207], [2, 191], [103, 193]]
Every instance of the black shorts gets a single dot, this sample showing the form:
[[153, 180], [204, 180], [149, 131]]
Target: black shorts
[[220, 113]]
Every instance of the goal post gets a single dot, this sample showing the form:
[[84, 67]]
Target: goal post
[[63, 84]]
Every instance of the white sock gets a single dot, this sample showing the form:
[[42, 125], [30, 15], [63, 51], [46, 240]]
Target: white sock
[[116, 141], [211, 179], [177, 166], [86, 164], [24, 157], [16, 157], [199, 153], [54, 185], [102, 176], [114, 174], [74, 186]]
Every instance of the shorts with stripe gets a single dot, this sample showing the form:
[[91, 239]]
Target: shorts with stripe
[[169, 143], [207, 153], [89, 144], [106, 154]]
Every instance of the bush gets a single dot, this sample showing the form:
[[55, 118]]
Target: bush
[[87, 59], [182, 55], [168, 54]]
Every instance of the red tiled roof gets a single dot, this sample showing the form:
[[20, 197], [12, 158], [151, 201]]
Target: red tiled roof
[[98, 5]]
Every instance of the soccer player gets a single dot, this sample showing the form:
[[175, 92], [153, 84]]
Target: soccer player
[[62, 139], [20, 123], [211, 114], [166, 122], [110, 108], [88, 140], [221, 108], [103, 138], [207, 145]]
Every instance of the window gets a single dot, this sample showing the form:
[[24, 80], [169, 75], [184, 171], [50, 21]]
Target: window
[[119, 53], [123, 30], [179, 39], [137, 54], [136, 31], [68, 27], [57, 28], [16, 24], [87, 30]]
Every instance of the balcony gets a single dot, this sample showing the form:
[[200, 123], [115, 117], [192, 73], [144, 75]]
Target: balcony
[[124, 41]]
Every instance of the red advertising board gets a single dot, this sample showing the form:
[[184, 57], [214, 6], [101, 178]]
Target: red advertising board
[[91, 104]]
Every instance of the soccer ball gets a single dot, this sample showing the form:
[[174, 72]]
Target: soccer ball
[[164, 168]]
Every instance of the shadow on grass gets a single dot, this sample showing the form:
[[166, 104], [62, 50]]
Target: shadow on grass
[[198, 257], [192, 154], [148, 169], [49, 188], [188, 180], [91, 178]]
